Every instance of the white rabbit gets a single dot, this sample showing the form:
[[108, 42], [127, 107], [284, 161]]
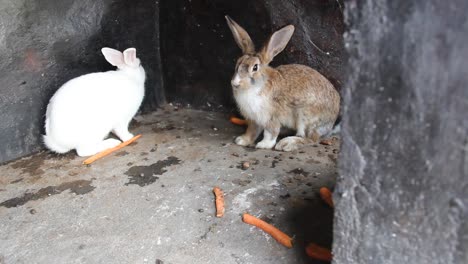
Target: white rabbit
[[84, 110]]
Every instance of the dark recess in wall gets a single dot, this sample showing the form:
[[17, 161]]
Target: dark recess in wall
[[402, 193], [199, 52], [44, 43]]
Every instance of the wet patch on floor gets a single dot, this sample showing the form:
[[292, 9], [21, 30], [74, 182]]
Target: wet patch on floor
[[16, 181], [241, 182], [31, 165], [121, 153], [146, 175], [34, 165], [78, 187], [161, 128], [299, 171]]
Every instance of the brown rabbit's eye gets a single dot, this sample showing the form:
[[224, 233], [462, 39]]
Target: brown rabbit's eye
[[255, 68]]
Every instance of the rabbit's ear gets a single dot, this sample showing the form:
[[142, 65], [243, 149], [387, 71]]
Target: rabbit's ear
[[241, 36], [277, 43], [130, 57], [113, 56]]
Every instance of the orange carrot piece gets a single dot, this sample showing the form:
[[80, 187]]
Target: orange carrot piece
[[326, 142], [317, 252], [219, 201], [238, 121], [326, 195], [109, 151], [277, 234]]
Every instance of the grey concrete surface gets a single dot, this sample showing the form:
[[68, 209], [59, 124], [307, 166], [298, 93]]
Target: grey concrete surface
[[402, 194], [152, 201]]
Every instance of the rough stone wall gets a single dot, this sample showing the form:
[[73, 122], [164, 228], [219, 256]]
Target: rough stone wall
[[44, 43], [199, 52], [402, 194]]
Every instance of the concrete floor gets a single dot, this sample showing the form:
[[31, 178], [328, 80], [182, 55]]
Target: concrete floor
[[152, 202]]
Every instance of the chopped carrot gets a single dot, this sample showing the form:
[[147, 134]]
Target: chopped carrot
[[326, 142], [317, 252], [219, 201], [238, 121], [326, 195], [109, 151], [271, 230]]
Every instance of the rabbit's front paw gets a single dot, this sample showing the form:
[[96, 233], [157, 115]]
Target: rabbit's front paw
[[265, 144], [110, 143], [127, 136], [242, 141], [290, 143]]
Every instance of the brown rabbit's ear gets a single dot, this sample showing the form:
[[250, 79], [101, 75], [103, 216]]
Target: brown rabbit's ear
[[241, 36], [277, 43]]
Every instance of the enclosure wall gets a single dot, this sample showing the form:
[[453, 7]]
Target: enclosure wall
[[402, 193]]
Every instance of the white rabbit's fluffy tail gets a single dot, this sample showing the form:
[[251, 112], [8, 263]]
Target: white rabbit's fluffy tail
[[54, 146]]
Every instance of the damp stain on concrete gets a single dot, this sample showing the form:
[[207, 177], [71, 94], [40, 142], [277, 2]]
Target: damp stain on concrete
[[31, 166], [273, 163], [121, 153], [299, 171], [146, 175], [16, 181], [241, 182], [78, 187]]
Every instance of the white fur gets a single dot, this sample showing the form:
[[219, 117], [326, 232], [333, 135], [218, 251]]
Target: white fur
[[242, 141], [336, 130], [236, 80], [268, 141], [85, 109], [253, 105]]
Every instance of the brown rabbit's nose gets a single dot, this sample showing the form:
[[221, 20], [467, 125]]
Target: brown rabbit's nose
[[235, 85], [235, 82]]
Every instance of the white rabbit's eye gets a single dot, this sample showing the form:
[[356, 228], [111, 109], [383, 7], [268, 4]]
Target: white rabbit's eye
[[255, 68]]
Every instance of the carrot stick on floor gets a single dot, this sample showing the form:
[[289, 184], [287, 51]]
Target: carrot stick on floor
[[317, 252], [271, 230], [219, 201], [109, 151], [326, 195], [326, 142], [238, 121]]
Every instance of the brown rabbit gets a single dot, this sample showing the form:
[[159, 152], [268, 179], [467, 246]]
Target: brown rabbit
[[293, 96]]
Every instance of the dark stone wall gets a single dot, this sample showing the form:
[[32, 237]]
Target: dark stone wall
[[199, 52], [402, 193], [44, 43]]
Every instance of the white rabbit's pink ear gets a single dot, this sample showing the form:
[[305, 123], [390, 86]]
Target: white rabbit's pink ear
[[113, 56], [130, 57], [241, 37], [277, 43]]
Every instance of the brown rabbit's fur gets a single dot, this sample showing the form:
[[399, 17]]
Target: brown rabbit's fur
[[293, 96]]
